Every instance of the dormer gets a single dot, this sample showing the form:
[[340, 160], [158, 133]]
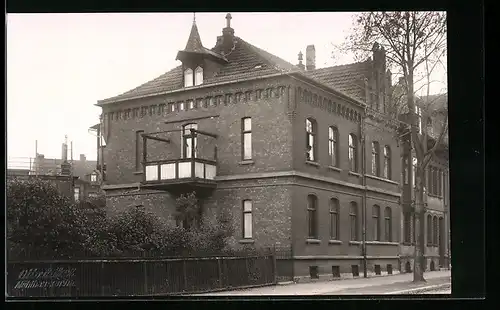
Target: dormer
[[198, 62]]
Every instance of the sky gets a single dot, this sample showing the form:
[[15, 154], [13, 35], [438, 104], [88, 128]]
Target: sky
[[60, 65]]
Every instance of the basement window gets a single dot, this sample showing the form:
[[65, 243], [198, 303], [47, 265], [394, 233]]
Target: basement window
[[355, 270], [377, 270], [336, 271], [313, 272], [389, 269]]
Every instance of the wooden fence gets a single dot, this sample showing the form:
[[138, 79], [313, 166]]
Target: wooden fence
[[139, 277]]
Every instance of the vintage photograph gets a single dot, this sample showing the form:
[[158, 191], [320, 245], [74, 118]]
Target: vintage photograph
[[227, 154]]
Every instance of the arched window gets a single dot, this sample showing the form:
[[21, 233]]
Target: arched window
[[188, 77], [334, 219], [353, 156], [375, 158], [435, 231], [387, 162], [312, 208], [376, 223], [388, 224], [189, 141], [332, 146], [429, 229], [198, 76], [353, 221], [311, 139]]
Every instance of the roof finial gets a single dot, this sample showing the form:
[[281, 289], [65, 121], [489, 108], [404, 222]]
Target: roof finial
[[228, 20], [194, 17]]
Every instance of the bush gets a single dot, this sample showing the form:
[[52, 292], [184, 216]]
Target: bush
[[41, 221]]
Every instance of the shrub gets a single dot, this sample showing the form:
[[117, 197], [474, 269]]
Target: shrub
[[41, 221]]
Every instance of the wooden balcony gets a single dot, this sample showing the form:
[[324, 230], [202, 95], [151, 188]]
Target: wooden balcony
[[194, 171]]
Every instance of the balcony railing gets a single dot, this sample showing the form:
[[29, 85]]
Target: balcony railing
[[180, 169]]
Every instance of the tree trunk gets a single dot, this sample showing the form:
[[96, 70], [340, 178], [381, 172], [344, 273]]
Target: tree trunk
[[418, 263]]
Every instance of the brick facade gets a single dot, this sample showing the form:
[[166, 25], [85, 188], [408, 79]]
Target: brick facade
[[278, 178]]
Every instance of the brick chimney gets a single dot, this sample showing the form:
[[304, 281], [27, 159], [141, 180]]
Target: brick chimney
[[300, 65], [227, 39], [82, 157], [310, 57]]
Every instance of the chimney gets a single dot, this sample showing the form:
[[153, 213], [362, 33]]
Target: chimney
[[64, 155], [300, 65], [82, 157], [310, 57], [65, 168], [227, 39], [378, 57]]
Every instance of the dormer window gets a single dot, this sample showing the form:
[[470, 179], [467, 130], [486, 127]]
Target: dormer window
[[198, 76], [93, 177], [188, 78]]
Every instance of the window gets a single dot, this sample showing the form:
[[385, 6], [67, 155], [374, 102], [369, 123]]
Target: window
[[332, 146], [312, 206], [353, 156], [181, 106], [334, 219], [418, 114], [388, 224], [429, 179], [353, 221], [172, 107], [387, 162], [439, 182], [435, 231], [93, 177], [413, 170], [138, 149], [189, 141], [246, 137], [375, 158], [376, 223], [311, 139], [407, 228], [247, 219], [198, 76], [77, 193], [429, 229], [188, 77], [190, 104], [405, 170]]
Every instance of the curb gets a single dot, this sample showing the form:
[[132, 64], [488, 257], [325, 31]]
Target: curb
[[422, 288]]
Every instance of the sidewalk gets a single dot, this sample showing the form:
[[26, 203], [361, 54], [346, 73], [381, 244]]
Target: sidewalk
[[376, 285]]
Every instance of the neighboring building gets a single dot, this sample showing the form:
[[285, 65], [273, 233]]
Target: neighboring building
[[83, 171], [432, 111], [301, 157], [64, 183]]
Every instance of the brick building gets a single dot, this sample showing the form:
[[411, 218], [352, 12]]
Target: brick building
[[302, 158], [432, 112]]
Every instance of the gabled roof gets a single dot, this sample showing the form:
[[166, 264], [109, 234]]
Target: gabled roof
[[248, 61], [344, 78]]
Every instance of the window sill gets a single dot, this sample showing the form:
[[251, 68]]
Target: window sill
[[354, 174], [138, 172], [334, 242], [313, 241], [246, 241], [354, 242], [246, 162], [312, 163], [334, 168], [382, 243], [381, 179]]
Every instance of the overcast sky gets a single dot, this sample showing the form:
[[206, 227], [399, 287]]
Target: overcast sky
[[59, 65]]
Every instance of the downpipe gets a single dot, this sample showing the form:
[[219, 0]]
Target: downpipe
[[363, 204]]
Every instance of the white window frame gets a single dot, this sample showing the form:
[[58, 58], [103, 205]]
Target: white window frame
[[198, 76], [246, 131], [188, 77], [247, 229]]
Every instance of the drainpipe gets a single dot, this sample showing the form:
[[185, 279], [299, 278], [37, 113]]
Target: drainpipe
[[363, 203]]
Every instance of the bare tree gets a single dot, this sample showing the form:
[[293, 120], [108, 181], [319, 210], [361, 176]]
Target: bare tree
[[414, 42]]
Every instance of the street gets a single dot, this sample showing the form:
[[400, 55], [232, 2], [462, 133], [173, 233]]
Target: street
[[438, 282]]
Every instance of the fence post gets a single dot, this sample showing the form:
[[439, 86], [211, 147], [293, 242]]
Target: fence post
[[275, 269], [145, 278], [185, 274], [219, 269], [102, 278]]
